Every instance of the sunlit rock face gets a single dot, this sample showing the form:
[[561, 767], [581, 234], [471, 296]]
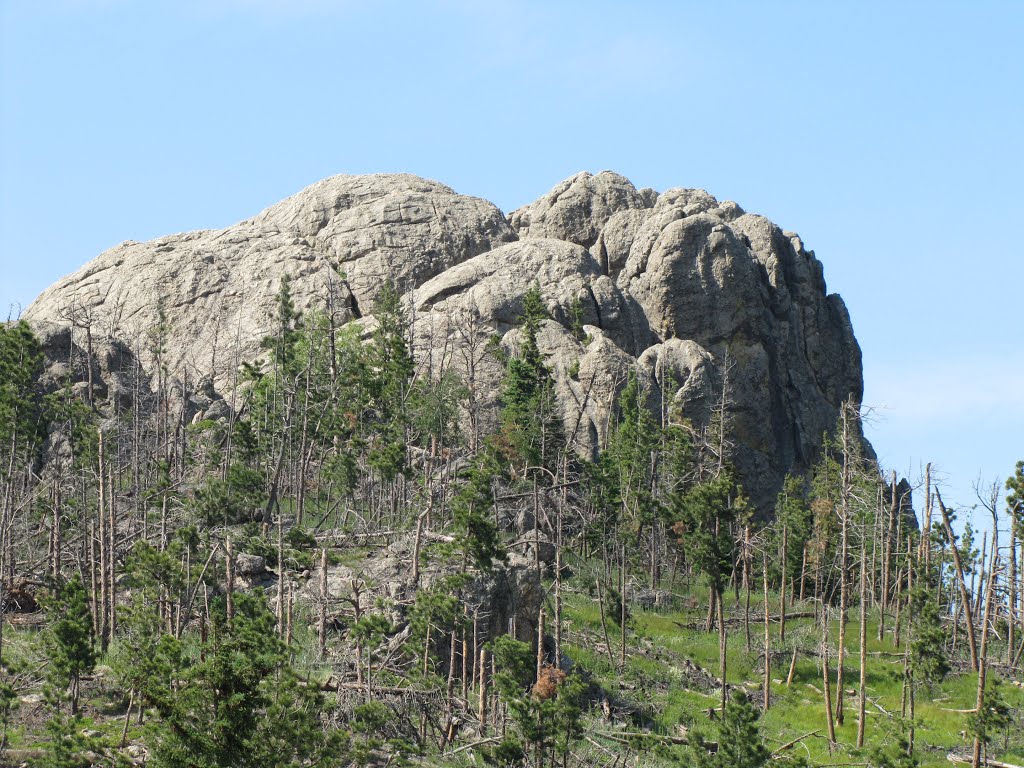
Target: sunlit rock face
[[691, 293]]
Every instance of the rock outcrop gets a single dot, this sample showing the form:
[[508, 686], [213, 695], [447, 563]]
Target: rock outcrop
[[694, 294], [509, 595], [339, 239]]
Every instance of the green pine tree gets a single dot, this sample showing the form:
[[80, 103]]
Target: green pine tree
[[929, 659], [529, 411], [704, 515], [69, 639], [1015, 498], [895, 752], [740, 744], [391, 371], [793, 513], [546, 716], [993, 718], [633, 447], [239, 703], [477, 533], [24, 417]]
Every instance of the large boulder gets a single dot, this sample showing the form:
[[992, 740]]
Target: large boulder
[[576, 209], [570, 280]]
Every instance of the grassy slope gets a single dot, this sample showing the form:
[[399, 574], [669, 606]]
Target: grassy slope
[[650, 692], [660, 640]]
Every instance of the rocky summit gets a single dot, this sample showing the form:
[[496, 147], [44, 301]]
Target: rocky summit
[[715, 309]]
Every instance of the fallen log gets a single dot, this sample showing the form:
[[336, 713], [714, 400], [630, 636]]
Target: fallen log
[[338, 537], [623, 738], [961, 760], [334, 685], [733, 621], [794, 742], [477, 743]]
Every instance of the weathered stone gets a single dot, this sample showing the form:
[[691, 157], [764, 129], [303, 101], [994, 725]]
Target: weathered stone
[[693, 294], [570, 280], [686, 372], [533, 542], [250, 565], [576, 209], [339, 239], [510, 594]]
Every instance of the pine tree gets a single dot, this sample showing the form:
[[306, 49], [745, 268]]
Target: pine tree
[[9, 700], [69, 638], [631, 446], [283, 344], [436, 613], [230, 499], [391, 366], [928, 656], [529, 410], [239, 703], [69, 645], [477, 534], [65, 745], [1015, 498], [794, 522], [740, 744], [897, 753], [23, 420], [992, 718], [23, 429], [703, 517], [546, 715], [434, 410]]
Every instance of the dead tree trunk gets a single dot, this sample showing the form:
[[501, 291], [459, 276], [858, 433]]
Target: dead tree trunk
[[104, 625], [482, 708], [965, 598], [767, 634], [826, 681], [844, 591], [1011, 583], [722, 649], [747, 577], [782, 584], [862, 692], [983, 660], [322, 628]]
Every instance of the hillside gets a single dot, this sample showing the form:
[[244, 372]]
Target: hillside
[[383, 476]]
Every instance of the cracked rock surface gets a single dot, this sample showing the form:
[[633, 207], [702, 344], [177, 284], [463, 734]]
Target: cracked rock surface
[[690, 292]]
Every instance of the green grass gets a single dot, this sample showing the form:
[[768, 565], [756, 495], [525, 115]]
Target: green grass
[[650, 692], [651, 687]]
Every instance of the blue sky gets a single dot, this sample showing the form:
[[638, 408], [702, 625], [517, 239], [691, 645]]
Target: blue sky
[[889, 135]]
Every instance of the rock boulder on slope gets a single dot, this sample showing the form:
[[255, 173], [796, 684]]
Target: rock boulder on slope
[[693, 293]]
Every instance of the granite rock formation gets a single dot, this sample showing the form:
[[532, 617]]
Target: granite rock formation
[[694, 294]]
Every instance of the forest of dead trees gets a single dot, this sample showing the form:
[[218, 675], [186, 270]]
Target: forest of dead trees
[[195, 560]]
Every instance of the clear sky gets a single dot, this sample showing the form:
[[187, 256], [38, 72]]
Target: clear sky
[[889, 135]]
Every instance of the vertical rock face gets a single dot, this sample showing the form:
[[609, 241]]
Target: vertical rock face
[[693, 294]]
